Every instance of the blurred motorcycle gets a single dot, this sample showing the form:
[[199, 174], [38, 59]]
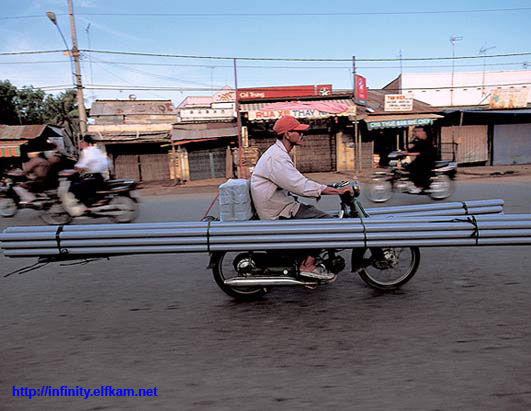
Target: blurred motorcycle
[[117, 199], [10, 201], [382, 185]]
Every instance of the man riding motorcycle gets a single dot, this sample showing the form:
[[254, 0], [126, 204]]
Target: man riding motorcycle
[[425, 155], [275, 175], [93, 164]]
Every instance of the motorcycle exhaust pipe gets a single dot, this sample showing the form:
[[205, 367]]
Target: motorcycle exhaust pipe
[[266, 282]]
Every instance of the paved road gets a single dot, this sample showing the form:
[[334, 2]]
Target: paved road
[[457, 337]]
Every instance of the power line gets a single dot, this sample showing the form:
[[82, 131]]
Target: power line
[[209, 89], [184, 56], [15, 53], [293, 14], [160, 76], [133, 63]]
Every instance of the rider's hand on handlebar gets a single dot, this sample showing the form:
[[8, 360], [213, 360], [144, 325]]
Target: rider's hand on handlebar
[[346, 189]]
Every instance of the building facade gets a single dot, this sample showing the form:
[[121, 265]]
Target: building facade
[[136, 136]]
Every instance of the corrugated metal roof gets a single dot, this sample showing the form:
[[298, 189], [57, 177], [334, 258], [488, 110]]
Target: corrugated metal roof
[[121, 107], [131, 137], [21, 132]]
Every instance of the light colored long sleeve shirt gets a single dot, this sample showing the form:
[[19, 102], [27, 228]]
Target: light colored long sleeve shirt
[[92, 160], [273, 177]]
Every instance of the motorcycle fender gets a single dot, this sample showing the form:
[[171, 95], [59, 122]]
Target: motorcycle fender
[[135, 195]]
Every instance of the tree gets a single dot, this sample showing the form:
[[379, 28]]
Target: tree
[[62, 111], [29, 103], [8, 109]]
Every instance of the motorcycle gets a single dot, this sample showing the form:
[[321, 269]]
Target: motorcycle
[[397, 179], [250, 275], [10, 201], [118, 200]]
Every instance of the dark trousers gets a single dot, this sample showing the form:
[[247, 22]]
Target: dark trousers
[[420, 173], [85, 189]]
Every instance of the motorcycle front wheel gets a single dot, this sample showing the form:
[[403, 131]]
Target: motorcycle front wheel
[[386, 268], [128, 209], [8, 207], [379, 189], [223, 267], [56, 215]]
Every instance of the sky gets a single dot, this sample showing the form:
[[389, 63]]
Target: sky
[[334, 29]]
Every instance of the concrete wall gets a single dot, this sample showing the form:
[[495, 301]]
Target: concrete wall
[[470, 88]]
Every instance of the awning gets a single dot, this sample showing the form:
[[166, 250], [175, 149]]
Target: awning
[[511, 112], [10, 148], [400, 120], [308, 109], [182, 132]]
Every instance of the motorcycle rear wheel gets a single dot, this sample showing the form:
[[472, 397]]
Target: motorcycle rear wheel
[[222, 264], [8, 207], [379, 189], [441, 187], [387, 268]]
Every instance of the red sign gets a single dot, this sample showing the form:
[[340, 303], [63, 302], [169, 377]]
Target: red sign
[[361, 89], [286, 91]]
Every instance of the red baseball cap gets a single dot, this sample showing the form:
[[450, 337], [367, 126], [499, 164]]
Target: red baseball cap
[[288, 123]]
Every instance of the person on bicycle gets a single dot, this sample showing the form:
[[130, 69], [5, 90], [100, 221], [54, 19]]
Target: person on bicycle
[[275, 177]]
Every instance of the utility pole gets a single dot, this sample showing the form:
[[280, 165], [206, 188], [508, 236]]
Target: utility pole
[[90, 61], [483, 51], [453, 39], [357, 139], [77, 67], [241, 174]]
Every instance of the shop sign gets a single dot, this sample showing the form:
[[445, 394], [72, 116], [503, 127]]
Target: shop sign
[[308, 113], [371, 125], [288, 91], [361, 90], [509, 98], [398, 102]]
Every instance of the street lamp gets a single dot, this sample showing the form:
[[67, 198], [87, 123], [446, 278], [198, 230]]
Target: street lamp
[[53, 18], [453, 40]]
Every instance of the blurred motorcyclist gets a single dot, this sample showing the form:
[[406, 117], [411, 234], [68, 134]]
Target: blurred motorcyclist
[[36, 171], [425, 155], [92, 164]]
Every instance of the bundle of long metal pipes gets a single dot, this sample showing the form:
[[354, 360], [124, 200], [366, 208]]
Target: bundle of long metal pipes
[[473, 207], [106, 240]]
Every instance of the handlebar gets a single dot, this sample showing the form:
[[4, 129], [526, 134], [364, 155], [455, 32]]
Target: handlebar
[[354, 184]]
